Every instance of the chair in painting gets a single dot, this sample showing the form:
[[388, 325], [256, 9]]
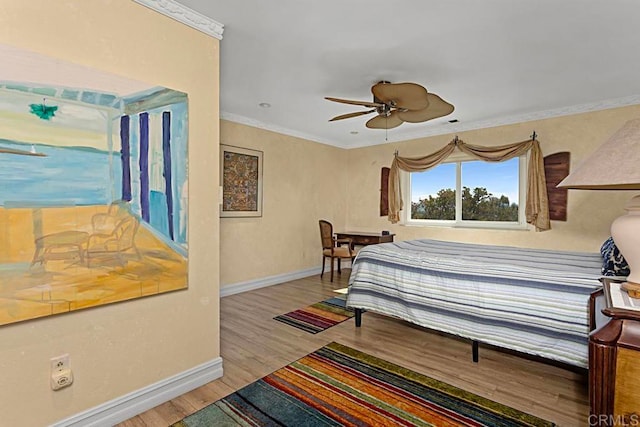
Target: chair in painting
[[114, 246], [105, 222], [108, 229], [333, 248]]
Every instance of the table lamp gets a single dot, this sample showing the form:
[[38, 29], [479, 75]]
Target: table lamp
[[615, 165]]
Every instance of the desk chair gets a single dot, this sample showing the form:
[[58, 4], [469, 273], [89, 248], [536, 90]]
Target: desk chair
[[331, 247]]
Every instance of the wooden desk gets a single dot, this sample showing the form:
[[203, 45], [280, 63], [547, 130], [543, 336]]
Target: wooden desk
[[363, 238], [614, 361]]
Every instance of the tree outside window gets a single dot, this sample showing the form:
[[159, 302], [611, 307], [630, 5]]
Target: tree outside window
[[489, 192]]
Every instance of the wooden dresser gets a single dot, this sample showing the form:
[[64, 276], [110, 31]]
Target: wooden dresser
[[614, 361]]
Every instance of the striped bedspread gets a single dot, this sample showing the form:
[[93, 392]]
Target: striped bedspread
[[529, 300]]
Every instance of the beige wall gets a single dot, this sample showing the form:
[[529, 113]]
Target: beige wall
[[590, 213], [303, 182], [120, 348]]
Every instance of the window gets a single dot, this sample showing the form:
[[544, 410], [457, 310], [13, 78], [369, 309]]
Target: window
[[468, 193]]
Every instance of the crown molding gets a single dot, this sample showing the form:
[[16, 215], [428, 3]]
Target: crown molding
[[236, 118], [185, 15], [519, 118], [447, 128]]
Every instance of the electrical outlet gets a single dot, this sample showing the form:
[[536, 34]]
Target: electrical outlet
[[61, 379], [61, 375], [59, 363]]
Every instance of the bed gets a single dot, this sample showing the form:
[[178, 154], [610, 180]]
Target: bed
[[527, 300]]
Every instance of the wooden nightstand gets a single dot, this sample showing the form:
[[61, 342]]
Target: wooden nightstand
[[614, 360]]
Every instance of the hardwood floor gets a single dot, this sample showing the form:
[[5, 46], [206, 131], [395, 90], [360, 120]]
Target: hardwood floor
[[253, 345]]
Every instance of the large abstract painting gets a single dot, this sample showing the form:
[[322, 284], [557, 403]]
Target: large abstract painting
[[93, 187]]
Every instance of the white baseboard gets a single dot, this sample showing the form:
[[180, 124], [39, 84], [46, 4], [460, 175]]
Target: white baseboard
[[132, 404], [250, 285]]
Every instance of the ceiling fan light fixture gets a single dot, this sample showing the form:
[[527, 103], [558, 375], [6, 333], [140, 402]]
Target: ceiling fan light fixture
[[396, 103], [385, 110]]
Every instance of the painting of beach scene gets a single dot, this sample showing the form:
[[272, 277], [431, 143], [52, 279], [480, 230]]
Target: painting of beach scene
[[93, 187]]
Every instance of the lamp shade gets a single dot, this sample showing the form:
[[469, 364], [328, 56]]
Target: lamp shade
[[615, 165]]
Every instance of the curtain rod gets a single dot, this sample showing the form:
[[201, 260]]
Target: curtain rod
[[533, 136]]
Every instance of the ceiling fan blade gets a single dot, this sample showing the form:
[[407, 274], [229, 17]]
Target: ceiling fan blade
[[349, 115], [347, 101], [437, 108], [410, 96], [385, 122]]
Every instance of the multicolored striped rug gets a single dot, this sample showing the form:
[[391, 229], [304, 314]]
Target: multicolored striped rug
[[340, 386], [319, 316]]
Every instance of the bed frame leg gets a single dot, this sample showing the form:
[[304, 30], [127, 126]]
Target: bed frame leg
[[474, 351], [358, 317]]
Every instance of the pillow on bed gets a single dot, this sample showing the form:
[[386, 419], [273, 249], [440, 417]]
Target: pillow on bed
[[613, 263]]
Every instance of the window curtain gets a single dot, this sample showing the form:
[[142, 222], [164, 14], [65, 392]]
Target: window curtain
[[537, 206]]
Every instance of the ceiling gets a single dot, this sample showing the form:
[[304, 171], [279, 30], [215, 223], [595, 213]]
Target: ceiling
[[496, 61]]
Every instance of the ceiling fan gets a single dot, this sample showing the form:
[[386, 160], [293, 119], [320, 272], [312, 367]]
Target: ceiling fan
[[397, 103]]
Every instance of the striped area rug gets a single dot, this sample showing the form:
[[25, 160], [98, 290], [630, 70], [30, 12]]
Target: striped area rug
[[319, 316], [341, 386]]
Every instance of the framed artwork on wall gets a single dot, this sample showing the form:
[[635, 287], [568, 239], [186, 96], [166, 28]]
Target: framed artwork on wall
[[241, 178], [93, 179]]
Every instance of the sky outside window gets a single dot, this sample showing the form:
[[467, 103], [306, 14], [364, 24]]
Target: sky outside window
[[429, 182], [498, 178]]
